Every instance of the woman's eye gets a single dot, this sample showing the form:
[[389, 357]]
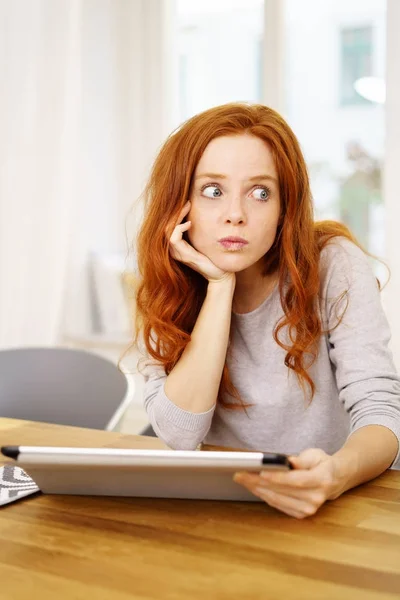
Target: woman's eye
[[211, 191], [261, 194]]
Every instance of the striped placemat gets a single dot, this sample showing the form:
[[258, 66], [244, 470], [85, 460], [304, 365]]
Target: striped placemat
[[15, 484]]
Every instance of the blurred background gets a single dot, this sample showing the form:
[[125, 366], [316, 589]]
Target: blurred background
[[89, 89]]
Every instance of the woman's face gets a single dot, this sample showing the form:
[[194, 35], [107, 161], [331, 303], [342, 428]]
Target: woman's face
[[235, 204]]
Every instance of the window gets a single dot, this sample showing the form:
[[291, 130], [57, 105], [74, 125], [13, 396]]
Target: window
[[343, 143], [327, 47], [219, 53], [356, 62]]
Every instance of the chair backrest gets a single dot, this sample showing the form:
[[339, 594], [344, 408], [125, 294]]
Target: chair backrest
[[60, 385]]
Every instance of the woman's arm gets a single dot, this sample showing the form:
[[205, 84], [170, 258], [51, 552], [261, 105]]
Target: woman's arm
[[194, 381], [367, 453], [367, 381], [318, 477], [181, 406], [368, 387]]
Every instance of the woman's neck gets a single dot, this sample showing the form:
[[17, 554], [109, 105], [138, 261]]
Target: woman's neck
[[252, 288]]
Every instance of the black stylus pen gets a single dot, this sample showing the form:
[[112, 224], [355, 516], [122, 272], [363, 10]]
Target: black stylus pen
[[10, 451]]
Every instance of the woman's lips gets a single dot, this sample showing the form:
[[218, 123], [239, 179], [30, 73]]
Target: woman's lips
[[233, 243]]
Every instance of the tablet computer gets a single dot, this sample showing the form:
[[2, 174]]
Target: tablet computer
[[191, 474]]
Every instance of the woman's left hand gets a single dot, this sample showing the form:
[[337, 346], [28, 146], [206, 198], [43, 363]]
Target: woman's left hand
[[301, 491]]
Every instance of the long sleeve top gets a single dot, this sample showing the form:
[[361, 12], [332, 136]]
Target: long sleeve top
[[356, 383]]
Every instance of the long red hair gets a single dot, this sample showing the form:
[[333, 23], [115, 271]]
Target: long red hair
[[169, 295]]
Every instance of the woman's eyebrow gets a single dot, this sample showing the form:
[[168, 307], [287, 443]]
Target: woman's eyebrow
[[264, 177], [211, 176]]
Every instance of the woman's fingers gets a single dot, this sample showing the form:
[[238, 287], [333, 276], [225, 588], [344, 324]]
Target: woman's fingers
[[184, 252], [179, 248], [301, 494], [178, 231], [185, 211], [294, 507], [302, 504], [291, 479]]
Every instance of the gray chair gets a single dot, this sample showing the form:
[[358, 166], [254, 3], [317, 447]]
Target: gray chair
[[63, 386], [149, 431]]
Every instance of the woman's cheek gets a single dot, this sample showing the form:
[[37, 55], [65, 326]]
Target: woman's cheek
[[192, 234], [194, 238], [198, 238]]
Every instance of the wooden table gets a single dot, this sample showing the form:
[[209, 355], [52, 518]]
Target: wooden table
[[118, 548]]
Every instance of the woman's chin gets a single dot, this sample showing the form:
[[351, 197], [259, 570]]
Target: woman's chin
[[233, 263]]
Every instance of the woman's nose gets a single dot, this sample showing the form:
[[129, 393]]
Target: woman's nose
[[234, 212]]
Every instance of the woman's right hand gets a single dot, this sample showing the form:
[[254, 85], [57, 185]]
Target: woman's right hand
[[185, 253]]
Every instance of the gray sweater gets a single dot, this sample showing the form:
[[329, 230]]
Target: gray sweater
[[355, 378]]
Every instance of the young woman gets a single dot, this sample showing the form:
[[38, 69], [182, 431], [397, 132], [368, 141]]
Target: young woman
[[263, 329]]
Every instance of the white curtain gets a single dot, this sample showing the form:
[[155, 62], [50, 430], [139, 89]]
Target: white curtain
[[83, 105], [126, 91], [39, 112]]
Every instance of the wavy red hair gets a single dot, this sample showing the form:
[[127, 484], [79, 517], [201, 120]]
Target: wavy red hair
[[169, 295]]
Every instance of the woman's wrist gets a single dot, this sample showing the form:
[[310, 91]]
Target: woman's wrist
[[367, 453], [345, 463], [226, 283]]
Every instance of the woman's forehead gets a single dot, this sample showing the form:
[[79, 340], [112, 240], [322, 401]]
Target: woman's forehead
[[243, 155]]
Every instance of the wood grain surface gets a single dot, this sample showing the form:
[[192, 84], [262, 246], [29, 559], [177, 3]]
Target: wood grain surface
[[77, 548]]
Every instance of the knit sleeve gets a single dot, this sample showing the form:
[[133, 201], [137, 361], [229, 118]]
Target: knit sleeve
[[358, 339], [178, 428]]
